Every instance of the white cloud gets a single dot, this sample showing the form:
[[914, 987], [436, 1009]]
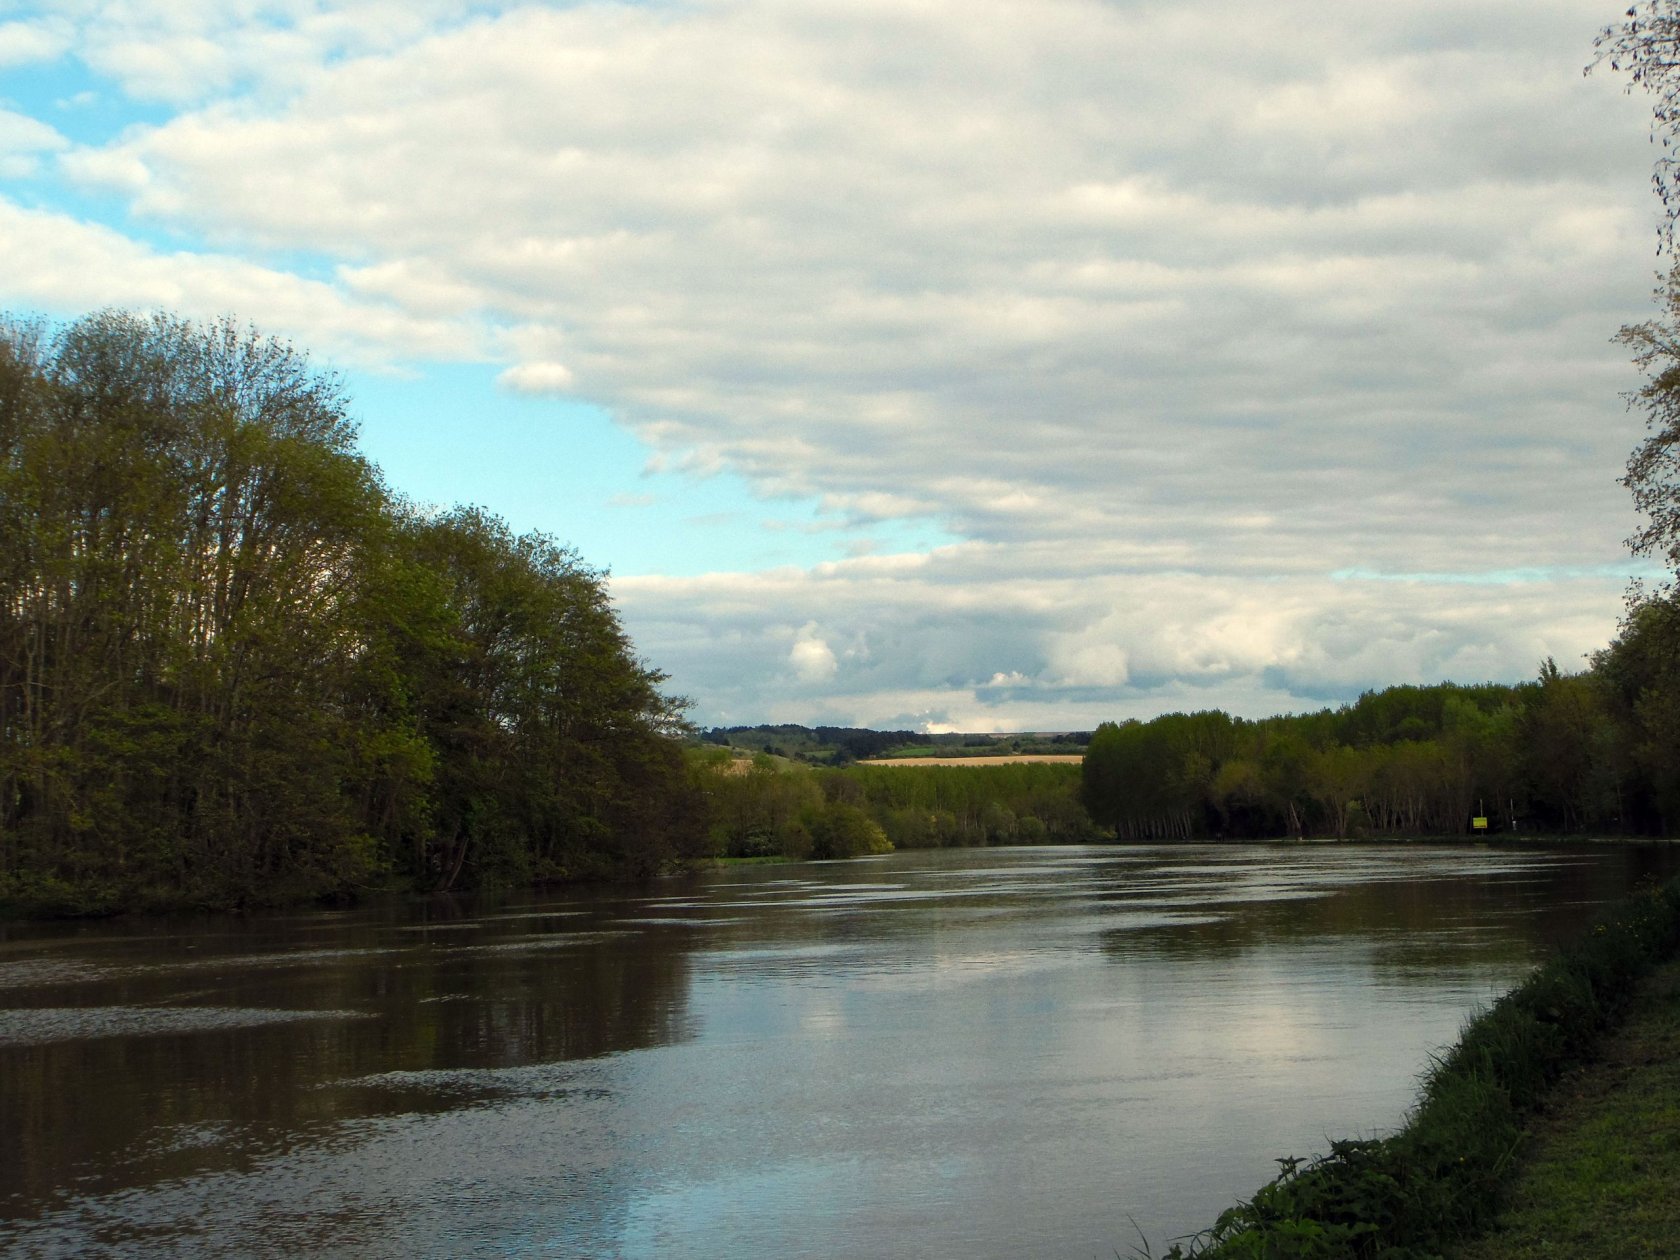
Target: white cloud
[[28, 42], [1003, 649], [187, 51], [1169, 312], [812, 659], [56, 264], [537, 378], [22, 140]]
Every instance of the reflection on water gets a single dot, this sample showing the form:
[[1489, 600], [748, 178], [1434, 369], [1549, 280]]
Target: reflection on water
[[992, 1053]]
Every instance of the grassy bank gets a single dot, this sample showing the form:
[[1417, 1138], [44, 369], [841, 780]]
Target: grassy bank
[[1601, 1176], [1440, 1179]]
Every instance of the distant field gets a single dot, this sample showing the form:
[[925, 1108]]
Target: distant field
[[1006, 760]]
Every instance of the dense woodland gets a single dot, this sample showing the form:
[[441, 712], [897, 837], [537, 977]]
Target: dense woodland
[[234, 667], [770, 806], [1567, 754]]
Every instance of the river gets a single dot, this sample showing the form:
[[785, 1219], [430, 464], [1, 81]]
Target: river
[[1054, 1052]]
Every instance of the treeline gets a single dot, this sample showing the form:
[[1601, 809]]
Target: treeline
[[769, 807], [841, 745], [820, 745], [235, 668], [1568, 753]]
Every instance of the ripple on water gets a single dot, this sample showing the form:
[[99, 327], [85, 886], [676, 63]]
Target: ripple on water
[[531, 943], [68, 1023], [471, 925], [532, 1081], [673, 920], [32, 973], [42, 972]]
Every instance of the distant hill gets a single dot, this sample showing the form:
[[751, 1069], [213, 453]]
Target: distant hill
[[841, 745]]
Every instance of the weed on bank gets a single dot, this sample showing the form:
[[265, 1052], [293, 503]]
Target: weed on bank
[[1439, 1179], [1599, 1177]]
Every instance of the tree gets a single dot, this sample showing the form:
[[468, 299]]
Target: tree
[[553, 748], [1640, 672], [1567, 740], [185, 527], [233, 669], [1646, 45], [1653, 470], [844, 831]]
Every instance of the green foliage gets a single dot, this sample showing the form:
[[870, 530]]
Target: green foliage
[[842, 745], [822, 745], [755, 809], [234, 670], [1599, 1178], [1566, 753], [1439, 1178], [1640, 675], [949, 806], [771, 806], [844, 831]]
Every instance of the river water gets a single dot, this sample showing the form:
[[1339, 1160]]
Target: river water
[[985, 1053]]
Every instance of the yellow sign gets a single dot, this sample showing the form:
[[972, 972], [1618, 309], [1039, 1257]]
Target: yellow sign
[[1478, 824]]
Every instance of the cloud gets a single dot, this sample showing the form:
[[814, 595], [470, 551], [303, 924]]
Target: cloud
[[25, 43], [537, 378], [1169, 313], [934, 294], [184, 52], [22, 140], [57, 264], [935, 642], [812, 659]]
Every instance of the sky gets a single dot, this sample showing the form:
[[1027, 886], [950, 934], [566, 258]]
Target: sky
[[949, 364]]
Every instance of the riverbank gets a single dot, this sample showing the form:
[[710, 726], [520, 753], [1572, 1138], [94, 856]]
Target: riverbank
[[1439, 1181], [1601, 1175]]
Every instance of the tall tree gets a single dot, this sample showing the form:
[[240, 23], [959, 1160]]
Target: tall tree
[[233, 669], [1653, 470], [1645, 45]]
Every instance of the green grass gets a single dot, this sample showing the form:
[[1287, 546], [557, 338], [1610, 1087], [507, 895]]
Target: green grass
[[1442, 1177], [1602, 1174]]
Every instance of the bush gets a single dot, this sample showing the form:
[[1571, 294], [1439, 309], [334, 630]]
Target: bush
[[843, 831]]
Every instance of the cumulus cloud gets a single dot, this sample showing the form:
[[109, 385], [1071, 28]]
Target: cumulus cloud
[[812, 659], [188, 51], [1169, 313], [950, 648], [24, 43], [537, 378], [22, 142]]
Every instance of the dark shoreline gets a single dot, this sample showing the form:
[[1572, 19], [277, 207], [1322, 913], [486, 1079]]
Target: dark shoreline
[[60, 904]]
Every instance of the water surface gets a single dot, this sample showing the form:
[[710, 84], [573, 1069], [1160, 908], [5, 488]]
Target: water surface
[[1045, 1052]]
